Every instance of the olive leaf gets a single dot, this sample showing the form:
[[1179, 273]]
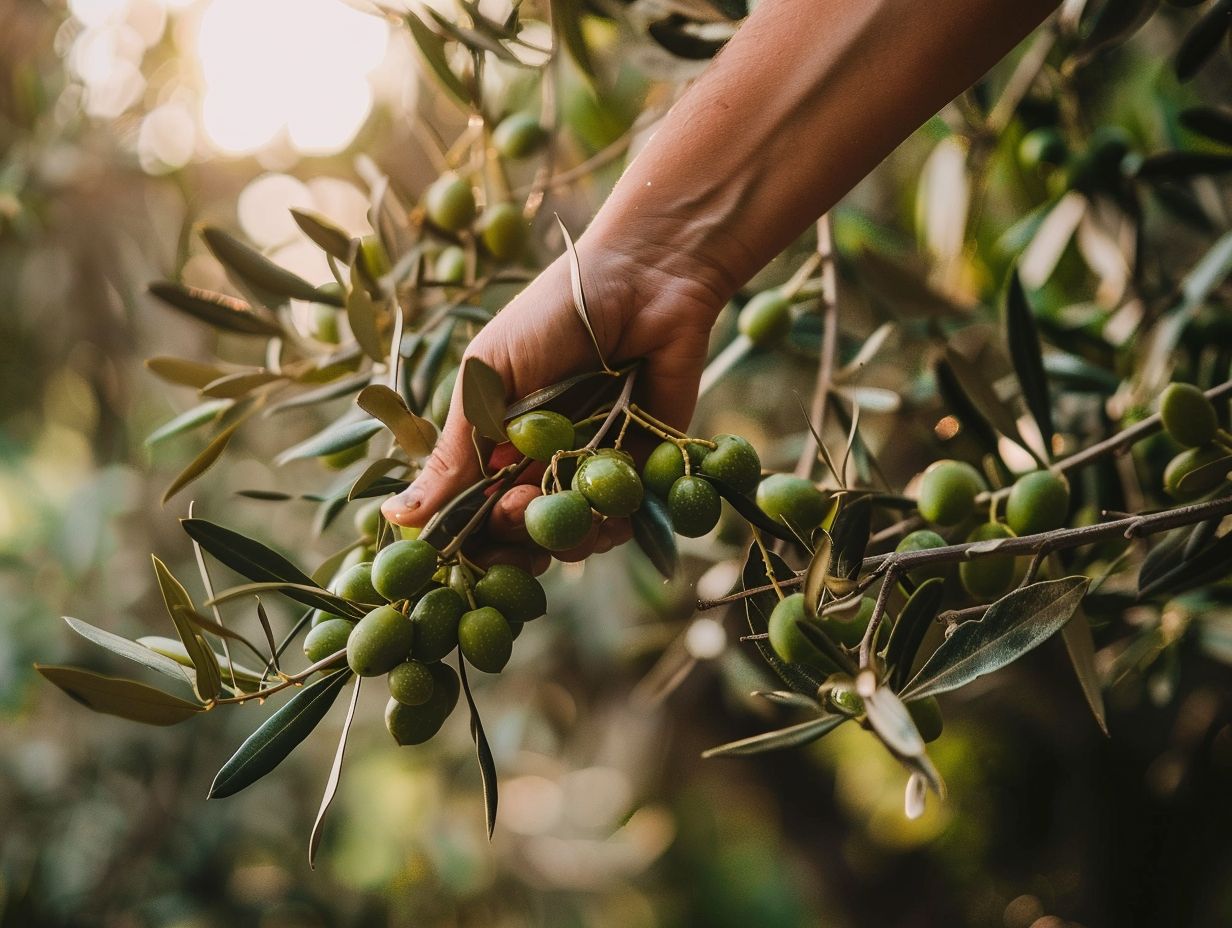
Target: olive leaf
[[424, 379], [1200, 475], [895, 728], [219, 311], [201, 463], [1181, 165], [1213, 122], [132, 650], [579, 295], [432, 49], [335, 775], [1203, 39], [908, 633], [208, 680], [903, 290], [182, 372], [652, 530], [361, 314], [973, 381], [472, 39], [414, 435], [127, 699], [328, 237], [483, 752], [850, 532], [1012, 626], [207, 624], [1080, 646], [545, 395], [257, 562], [822, 641], [187, 421], [333, 438], [1210, 562], [818, 572], [1116, 21], [788, 698], [244, 590], [372, 473], [330, 391], [275, 284], [792, 736], [1022, 338], [232, 386], [173, 649], [278, 735], [483, 399], [567, 24], [757, 609], [450, 519]]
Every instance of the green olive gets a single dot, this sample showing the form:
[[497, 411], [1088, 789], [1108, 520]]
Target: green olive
[[403, 568], [355, 585], [766, 318], [560, 521], [416, 724], [503, 231], [847, 627], [373, 258], [411, 683], [924, 539], [1038, 502], [842, 696], [788, 642], [450, 203], [450, 265], [435, 619], [1182, 487], [1040, 147], [516, 594], [610, 484], [486, 639], [988, 578], [733, 461], [518, 135], [380, 641], [326, 638], [368, 519], [926, 713], [793, 501], [665, 466], [442, 395], [1188, 416], [947, 492], [694, 506], [541, 433], [324, 324]]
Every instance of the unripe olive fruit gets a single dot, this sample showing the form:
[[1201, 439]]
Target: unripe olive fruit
[[324, 324], [665, 466], [435, 621], [947, 492], [923, 539], [503, 231], [1186, 463], [355, 584], [373, 258], [403, 568], [411, 683], [438, 406], [847, 627], [766, 318], [560, 521], [486, 639], [450, 265], [517, 595], [1038, 502], [416, 724], [788, 641], [610, 484], [694, 506], [540, 433], [337, 460], [842, 695], [518, 135], [793, 501], [368, 518], [1041, 146], [380, 641], [326, 638], [926, 713], [1188, 416], [988, 577], [734, 462], [320, 616], [450, 203]]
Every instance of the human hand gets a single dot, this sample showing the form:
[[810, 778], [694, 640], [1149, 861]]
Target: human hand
[[641, 307]]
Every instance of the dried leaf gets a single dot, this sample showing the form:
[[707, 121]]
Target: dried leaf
[[579, 296]]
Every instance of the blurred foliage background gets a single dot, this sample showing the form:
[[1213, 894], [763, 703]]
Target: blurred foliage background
[[124, 122]]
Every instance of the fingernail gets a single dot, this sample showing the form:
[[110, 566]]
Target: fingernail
[[403, 505]]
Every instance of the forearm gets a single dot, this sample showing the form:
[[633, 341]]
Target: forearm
[[803, 102]]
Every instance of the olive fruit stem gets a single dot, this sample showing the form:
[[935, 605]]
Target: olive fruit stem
[[874, 621], [1130, 526], [765, 559], [620, 406], [294, 679]]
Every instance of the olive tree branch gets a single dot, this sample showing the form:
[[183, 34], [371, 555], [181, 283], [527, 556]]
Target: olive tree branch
[[828, 294], [294, 679]]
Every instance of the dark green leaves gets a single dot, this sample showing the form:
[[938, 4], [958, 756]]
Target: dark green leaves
[[789, 737], [652, 530], [222, 312], [188, 420], [1213, 122], [579, 295], [1182, 165], [128, 699], [1012, 626], [483, 752], [202, 462], [1023, 341], [432, 49], [248, 267], [130, 650], [483, 399], [333, 438], [910, 629], [208, 675], [278, 735], [1203, 39], [327, 236]]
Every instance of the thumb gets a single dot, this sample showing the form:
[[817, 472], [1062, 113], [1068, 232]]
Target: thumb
[[451, 468], [667, 384]]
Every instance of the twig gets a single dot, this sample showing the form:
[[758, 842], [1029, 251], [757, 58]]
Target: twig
[[829, 344], [293, 680]]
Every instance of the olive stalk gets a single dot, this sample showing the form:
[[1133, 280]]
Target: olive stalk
[[828, 293], [288, 681]]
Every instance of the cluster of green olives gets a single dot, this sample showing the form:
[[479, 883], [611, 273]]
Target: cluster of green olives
[[1190, 420], [449, 204], [418, 612]]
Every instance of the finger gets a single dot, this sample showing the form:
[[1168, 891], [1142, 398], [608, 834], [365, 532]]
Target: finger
[[613, 533], [667, 382], [581, 551], [508, 520], [514, 555]]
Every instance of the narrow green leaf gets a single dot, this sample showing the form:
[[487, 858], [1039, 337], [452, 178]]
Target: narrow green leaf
[[545, 395], [450, 519], [652, 530], [483, 753], [240, 383], [789, 737], [817, 572], [1182, 165], [187, 421], [1022, 338], [415, 435], [757, 611], [1080, 645], [483, 399], [974, 383], [1114, 24], [324, 234], [331, 391], [361, 314], [432, 49], [424, 378], [243, 591], [220, 311], [278, 736], [579, 295], [1208, 273], [131, 650], [371, 475], [182, 372], [274, 283], [202, 462], [788, 698], [208, 680], [1012, 626], [750, 511], [1209, 563], [567, 24], [257, 562], [1213, 122], [333, 438], [1203, 39], [909, 631], [335, 774], [127, 699], [173, 649], [895, 728], [850, 533], [473, 39]]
